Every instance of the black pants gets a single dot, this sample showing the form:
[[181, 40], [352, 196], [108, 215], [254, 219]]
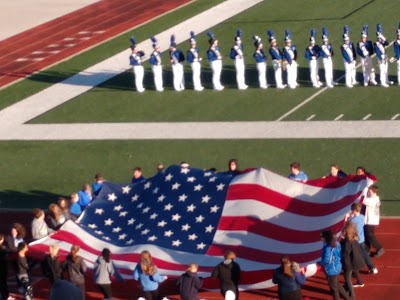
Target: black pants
[[151, 295], [3, 280], [293, 295], [370, 238], [106, 290], [336, 288]]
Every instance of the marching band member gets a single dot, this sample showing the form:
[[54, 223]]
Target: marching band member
[[194, 59], [156, 66], [365, 49], [312, 54], [136, 63], [261, 62], [237, 55], [176, 58], [396, 57], [349, 58], [290, 56], [215, 58], [326, 52], [381, 55], [277, 57]]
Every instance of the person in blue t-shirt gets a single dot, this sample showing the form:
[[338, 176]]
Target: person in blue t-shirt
[[296, 173], [96, 186], [85, 196]]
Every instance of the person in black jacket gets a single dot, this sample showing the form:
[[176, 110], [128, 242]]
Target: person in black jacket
[[51, 264], [3, 269], [352, 258], [189, 283], [22, 268], [228, 272]]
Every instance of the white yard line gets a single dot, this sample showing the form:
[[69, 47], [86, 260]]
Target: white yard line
[[312, 97]]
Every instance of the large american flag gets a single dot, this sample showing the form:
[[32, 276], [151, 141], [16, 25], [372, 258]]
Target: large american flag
[[185, 215]]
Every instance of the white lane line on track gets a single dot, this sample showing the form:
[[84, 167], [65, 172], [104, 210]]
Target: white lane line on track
[[316, 94]]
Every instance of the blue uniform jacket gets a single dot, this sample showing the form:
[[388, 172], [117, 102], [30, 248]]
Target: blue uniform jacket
[[155, 58], [345, 55], [323, 54], [396, 47], [312, 53], [190, 56], [136, 59], [380, 54], [368, 45], [286, 53], [330, 259], [260, 56], [212, 54], [276, 53]]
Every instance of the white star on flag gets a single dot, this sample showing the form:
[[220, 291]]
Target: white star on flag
[[168, 233], [201, 246], [108, 222], [146, 231], [192, 237], [176, 217], [131, 221], [176, 243], [99, 232], [161, 198], [106, 238], [191, 207], [118, 208], [191, 179], [169, 206], [153, 216], [93, 226], [199, 219], [117, 229], [162, 223], [152, 238], [205, 199], [122, 236], [126, 189], [123, 213], [209, 228], [146, 210], [129, 242], [185, 227], [147, 185], [155, 191], [185, 170], [176, 186], [138, 226], [112, 197], [220, 187], [212, 179], [140, 205], [182, 198], [135, 198], [214, 209], [198, 187], [99, 211], [168, 177]]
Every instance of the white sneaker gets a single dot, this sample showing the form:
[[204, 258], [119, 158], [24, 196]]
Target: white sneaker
[[141, 91], [385, 85], [320, 83], [330, 86], [349, 86], [220, 88], [365, 83], [11, 298], [160, 90], [281, 86], [264, 87], [317, 86], [243, 87], [199, 89], [373, 82]]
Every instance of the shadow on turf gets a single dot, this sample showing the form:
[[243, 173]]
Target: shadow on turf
[[32, 199], [125, 81]]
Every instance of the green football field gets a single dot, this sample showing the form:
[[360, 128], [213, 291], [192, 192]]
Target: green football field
[[36, 172]]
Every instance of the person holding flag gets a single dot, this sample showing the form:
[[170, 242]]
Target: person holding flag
[[290, 56], [176, 58], [380, 50], [349, 58], [277, 59], [237, 55], [215, 59], [396, 47], [194, 59], [326, 52], [156, 65], [136, 60], [365, 49], [312, 54], [261, 62]]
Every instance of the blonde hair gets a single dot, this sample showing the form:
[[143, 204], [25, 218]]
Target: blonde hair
[[192, 267], [350, 231], [147, 264]]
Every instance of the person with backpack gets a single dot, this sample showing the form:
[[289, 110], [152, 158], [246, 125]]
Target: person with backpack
[[330, 261]]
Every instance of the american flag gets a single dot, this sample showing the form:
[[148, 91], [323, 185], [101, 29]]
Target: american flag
[[185, 215]]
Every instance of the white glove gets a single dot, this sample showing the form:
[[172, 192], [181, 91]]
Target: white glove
[[392, 59]]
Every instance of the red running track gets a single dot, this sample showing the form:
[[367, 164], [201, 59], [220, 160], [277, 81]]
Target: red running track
[[384, 285], [46, 44]]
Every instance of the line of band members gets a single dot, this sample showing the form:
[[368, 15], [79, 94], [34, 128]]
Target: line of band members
[[284, 59]]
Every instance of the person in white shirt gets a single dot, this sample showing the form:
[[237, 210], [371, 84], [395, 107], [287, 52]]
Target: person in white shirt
[[372, 204]]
